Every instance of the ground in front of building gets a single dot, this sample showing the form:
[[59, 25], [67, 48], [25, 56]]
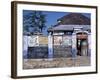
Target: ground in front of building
[[56, 62]]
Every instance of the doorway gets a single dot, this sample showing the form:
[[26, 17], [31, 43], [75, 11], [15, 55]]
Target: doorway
[[82, 44]]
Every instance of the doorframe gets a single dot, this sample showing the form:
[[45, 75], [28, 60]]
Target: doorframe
[[80, 39], [74, 39]]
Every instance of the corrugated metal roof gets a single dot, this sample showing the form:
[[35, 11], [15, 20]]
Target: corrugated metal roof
[[69, 27]]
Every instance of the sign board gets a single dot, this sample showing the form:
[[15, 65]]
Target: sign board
[[82, 36], [58, 33], [33, 41], [43, 40], [57, 40], [67, 40]]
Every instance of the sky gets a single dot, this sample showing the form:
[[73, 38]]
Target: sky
[[51, 17]]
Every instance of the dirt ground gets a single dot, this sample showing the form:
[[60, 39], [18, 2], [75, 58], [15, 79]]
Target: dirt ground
[[56, 62]]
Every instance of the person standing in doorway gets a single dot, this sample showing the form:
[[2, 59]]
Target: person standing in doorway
[[84, 48]]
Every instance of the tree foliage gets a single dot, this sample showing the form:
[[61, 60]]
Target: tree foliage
[[34, 22]]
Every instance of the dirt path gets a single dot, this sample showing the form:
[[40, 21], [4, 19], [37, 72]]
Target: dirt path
[[56, 62]]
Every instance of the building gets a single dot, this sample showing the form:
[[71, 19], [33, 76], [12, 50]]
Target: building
[[71, 36]]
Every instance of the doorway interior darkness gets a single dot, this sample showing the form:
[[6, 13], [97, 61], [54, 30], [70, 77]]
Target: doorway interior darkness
[[82, 44]]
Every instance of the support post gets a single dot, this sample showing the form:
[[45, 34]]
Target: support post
[[89, 44], [25, 46], [74, 49], [50, 46]]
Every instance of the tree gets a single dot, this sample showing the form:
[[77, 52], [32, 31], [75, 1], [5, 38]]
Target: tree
[[42, 21], [27, 23], [33, 21], [38, 21]]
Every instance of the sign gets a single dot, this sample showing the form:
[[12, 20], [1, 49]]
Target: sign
[[33, 41], [81, 36], [67, 40], [43, 40], [57, 40], [58, 33]]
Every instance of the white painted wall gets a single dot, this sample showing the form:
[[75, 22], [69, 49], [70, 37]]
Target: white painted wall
[[33, 41], [5, 41]]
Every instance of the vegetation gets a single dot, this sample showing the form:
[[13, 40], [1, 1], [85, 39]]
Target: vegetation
[[34, 22]]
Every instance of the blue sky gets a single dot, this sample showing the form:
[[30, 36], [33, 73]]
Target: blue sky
[[51, 17]]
